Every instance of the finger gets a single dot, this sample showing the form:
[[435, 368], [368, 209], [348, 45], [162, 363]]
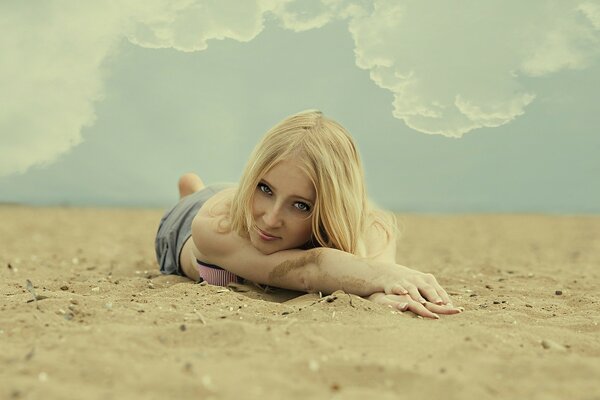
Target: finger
[[431, 294], [420, 309], [392, 301], [415, 294], [442, 293], [375, 296], [439, 289], [443, 309], [395, 289]]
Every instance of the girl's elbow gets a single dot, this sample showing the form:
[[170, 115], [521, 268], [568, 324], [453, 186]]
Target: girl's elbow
[[306, 280]]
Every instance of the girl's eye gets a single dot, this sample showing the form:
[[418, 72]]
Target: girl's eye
[[302, 206], [264, 188]]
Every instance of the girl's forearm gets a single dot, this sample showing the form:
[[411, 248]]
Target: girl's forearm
[[327, 270]]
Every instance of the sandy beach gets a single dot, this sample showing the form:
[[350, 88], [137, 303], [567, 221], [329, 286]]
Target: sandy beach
[[107, 325]]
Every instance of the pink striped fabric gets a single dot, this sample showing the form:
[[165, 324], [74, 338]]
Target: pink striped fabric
[[214, 275]]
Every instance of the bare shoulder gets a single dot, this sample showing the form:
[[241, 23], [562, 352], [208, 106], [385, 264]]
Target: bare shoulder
[[218, 205], [207, 226]]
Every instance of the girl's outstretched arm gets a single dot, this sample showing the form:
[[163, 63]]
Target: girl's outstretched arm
[[316, 270]]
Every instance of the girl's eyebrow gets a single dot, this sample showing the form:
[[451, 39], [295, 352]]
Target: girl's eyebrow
[[293, 195]]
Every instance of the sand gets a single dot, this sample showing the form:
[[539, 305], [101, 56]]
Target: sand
[[106, 325]]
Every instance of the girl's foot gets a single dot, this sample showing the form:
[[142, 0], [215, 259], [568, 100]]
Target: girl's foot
[[189, 183]]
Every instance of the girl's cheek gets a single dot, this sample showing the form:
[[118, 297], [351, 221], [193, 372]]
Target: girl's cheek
[[258, 204]]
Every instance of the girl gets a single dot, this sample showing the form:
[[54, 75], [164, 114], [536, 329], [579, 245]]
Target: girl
[[299, 219]]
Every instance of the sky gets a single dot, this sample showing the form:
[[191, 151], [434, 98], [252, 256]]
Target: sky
[[456, 107]]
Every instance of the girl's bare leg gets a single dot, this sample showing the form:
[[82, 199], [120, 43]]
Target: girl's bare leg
[[189, 183]]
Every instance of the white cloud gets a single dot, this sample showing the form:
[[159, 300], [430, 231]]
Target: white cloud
[[454, 67], [187, 25], [592, 12], [50, 76], [302, 15], [51, 72]]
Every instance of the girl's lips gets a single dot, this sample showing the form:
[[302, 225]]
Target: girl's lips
[[265, 236]]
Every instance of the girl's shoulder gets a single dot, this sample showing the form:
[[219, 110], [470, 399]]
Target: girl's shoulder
[[218, 205], [214, 240]]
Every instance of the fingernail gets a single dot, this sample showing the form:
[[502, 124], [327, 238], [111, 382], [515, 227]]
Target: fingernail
[[403, 306], [423, 301]]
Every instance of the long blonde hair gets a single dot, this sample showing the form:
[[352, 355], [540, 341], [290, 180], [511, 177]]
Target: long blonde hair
[[327, 154]]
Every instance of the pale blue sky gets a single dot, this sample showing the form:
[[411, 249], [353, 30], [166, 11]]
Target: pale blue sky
[[111, 113]]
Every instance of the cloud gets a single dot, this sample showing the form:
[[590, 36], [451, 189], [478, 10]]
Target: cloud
[[52, 66], [188, 25], [592, 12], [52, 70], [455, 67], [50, 76], [451, 67]]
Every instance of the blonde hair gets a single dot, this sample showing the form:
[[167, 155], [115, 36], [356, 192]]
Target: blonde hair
[[327, 154]]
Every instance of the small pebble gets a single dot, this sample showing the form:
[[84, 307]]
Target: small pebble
[[207, 382], [314, 366], [558, 292], [64, 287], [96, 289], [552, 345], [182, 327]]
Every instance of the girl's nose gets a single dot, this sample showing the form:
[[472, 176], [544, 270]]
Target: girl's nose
[[272, 218]]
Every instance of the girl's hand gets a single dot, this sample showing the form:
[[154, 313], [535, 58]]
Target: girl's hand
[[421, 287], [407, 303]]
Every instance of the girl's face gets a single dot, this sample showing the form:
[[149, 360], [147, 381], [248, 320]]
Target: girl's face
[[282, 208]]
